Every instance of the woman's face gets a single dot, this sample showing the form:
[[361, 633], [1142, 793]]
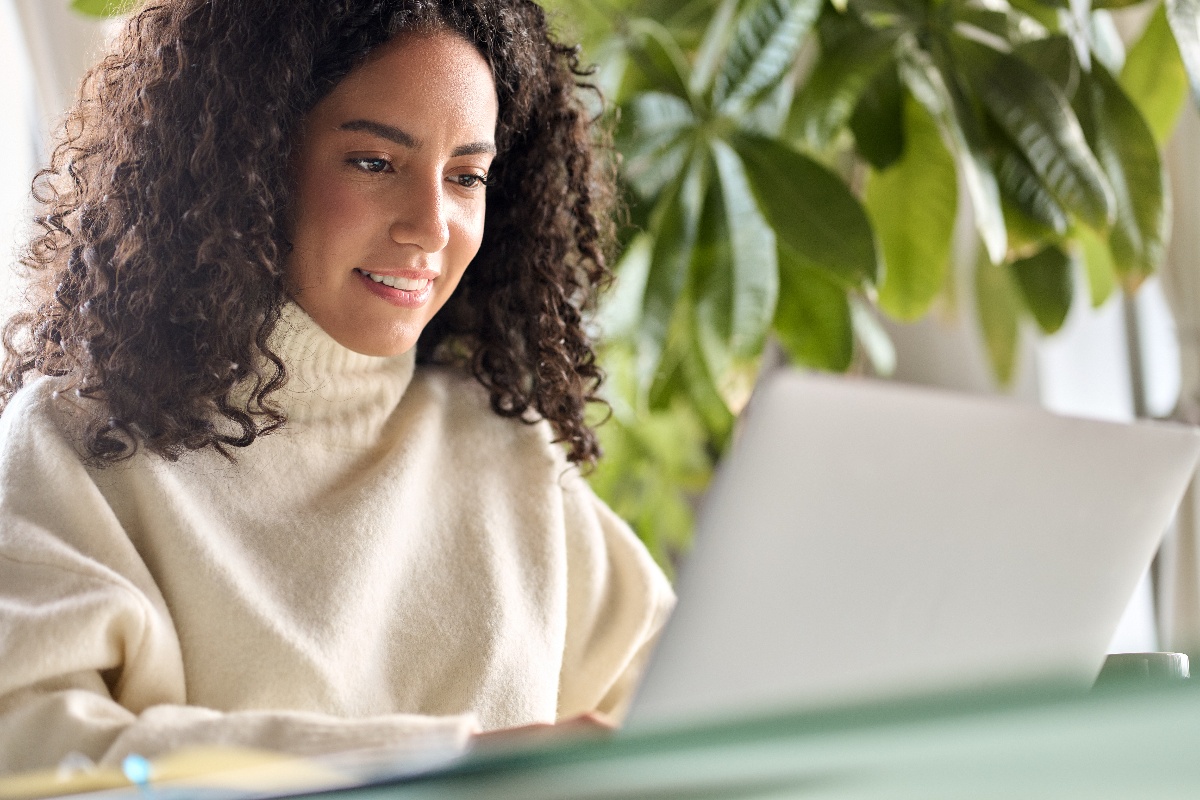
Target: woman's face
[[389, 201]]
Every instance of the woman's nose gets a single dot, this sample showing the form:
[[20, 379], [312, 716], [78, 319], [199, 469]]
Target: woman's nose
[[422, 218]]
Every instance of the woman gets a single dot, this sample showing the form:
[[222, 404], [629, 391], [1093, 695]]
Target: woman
[[239, 503]]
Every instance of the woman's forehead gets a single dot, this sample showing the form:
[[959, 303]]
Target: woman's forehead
[[414, 79]]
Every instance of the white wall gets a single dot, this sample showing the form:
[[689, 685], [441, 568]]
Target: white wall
[[17, 142], [45, 48]]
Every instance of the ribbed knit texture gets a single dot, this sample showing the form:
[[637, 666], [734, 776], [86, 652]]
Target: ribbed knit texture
[[334, 386]]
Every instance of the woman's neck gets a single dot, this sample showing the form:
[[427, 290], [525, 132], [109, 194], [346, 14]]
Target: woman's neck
[[329, 383]]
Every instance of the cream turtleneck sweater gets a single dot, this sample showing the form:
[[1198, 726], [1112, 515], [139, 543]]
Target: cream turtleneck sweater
[[398, 563]]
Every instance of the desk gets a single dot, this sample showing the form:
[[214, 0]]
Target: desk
[[1025, 743]]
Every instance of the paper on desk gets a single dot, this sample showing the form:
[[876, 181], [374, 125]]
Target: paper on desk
[[227, 773]]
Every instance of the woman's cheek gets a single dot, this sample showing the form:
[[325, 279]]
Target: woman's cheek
[[470, 224], [341, 206]]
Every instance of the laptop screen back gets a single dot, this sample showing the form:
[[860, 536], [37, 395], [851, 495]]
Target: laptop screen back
[[866, 540]]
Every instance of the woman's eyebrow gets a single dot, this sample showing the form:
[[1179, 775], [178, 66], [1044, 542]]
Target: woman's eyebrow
[[406, 139], [384, 131], [474, 149]]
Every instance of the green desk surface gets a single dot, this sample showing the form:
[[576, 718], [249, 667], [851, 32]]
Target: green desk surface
[[1027, 743]]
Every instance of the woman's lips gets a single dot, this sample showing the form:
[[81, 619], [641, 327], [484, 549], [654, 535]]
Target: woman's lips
[[407, 291]]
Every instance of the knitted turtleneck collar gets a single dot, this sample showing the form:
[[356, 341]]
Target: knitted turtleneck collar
[[329, 384]]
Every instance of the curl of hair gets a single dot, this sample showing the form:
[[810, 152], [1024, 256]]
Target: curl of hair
[[159, 269]]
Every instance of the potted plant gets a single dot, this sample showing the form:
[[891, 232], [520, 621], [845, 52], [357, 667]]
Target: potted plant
[[793, 164]]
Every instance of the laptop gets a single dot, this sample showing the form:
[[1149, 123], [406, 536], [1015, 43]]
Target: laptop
[[868, 540]]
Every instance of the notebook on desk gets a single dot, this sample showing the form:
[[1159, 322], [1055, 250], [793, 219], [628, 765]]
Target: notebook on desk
[[867, 540]]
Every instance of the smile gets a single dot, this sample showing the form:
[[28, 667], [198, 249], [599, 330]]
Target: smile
[[398, 282]]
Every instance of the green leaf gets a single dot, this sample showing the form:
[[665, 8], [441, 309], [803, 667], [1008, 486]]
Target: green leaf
[[701, 382], [1154, 77], [1184, 16], [810, 208], [688, 19], [612, 65], [878, 120], [1036, 116], [104, 8], [1054, 57], [670, 261], [755, 284], [813, 318], [1003, 22], [650, 114], [653, 139], [828, 99], [1024, 188], [654, 51], [1025, 236], [1097, 265], [762, 50], [989, 20], [589, 22], [1047, 285], [831, 30], [711, 287], [668, 385], [769, 113], [730, 365], [915, 236], [621, 309], [1107, 45], [1045, 13], [1130, 156], [903, 12], [712, 46], [876, 344], [962, 130], [999, 317], [1029, 5]]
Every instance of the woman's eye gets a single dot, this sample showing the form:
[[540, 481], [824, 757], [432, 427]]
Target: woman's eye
[[370, 164], [470, 180]]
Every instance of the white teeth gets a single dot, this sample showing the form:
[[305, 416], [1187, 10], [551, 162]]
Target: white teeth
[[396, 282]]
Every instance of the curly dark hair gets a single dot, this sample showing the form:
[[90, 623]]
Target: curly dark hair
[[159, 270]]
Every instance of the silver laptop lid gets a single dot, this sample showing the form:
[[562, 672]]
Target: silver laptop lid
[[867, 539]]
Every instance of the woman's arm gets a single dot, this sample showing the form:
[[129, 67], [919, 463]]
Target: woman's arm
[[618, 601], [90, 660], [85, 667]]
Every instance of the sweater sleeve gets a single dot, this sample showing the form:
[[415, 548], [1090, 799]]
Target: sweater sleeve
[[618, 600], [89, 658]]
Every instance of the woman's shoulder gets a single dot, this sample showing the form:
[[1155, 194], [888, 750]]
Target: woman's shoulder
[[43, 408], [41, 434]]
